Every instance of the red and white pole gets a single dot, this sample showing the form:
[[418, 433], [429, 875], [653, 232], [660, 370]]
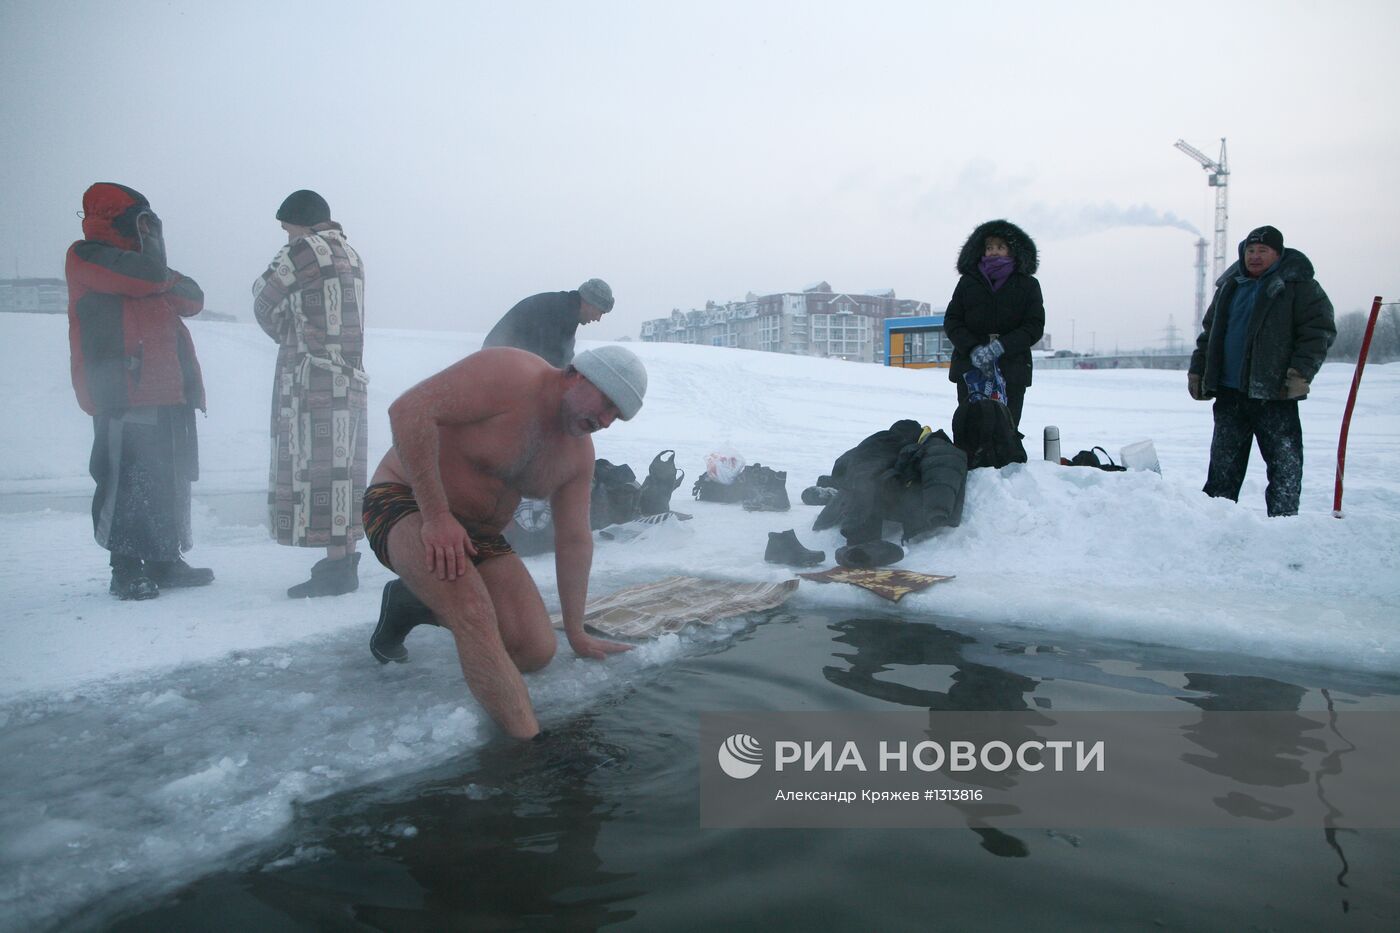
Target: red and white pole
[[1351, 403]]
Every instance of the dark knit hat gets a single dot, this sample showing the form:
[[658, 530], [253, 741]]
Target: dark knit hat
[[1269, 236], [304, 208]]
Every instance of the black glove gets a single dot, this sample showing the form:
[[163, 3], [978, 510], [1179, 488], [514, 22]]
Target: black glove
[[152, 235]]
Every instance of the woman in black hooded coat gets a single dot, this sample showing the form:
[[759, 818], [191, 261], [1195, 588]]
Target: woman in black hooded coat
[[996, 312]]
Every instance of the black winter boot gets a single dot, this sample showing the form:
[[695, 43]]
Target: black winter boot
[[129, 579], [662, 479], [170, 574], [399, 612], [766, 489], [875, 553], [329, 578], [784, 548]]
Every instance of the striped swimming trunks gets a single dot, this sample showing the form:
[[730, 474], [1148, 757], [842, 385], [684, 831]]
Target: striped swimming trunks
[[387, 503]]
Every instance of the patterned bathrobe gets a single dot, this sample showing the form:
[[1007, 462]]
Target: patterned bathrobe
[[311, 301]]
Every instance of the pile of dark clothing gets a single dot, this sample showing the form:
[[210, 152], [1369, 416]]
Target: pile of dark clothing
[[903, 474], [758, 487]]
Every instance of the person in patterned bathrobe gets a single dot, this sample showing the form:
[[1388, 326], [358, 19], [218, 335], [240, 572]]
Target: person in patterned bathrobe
[[311, 301]]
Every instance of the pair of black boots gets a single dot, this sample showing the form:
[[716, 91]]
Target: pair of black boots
[[784, 548], [329, 577], [135, 579]]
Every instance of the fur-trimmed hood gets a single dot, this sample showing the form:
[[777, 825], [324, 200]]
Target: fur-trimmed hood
[[1022, 247]]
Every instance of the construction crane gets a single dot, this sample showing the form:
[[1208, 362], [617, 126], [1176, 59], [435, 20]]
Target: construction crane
[[1220, 181]]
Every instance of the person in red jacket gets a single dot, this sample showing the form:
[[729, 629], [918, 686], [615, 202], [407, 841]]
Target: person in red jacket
[[134, 370]]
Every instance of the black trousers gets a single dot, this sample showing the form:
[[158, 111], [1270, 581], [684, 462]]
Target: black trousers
[[143, 461], [1239, 422], [1015, 398]]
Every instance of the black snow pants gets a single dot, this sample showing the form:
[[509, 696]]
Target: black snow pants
[[1239, 421], [143, 461]]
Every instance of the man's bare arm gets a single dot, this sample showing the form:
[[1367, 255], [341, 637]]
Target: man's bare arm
[[573, 559]]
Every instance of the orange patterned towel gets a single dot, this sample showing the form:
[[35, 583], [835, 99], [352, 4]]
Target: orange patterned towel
[[891, 584]]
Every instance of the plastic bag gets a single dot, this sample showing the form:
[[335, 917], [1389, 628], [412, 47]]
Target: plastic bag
[[980, 385], [724, 466]]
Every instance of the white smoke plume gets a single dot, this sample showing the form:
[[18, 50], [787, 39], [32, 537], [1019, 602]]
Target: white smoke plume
[[1078, 220]]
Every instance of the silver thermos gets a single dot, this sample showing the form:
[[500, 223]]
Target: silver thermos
[[1052, 443]]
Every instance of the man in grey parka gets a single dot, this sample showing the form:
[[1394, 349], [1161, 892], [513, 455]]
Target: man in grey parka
[[1263, 339]]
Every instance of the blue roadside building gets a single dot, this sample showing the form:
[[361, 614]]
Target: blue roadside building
[[917, 342]]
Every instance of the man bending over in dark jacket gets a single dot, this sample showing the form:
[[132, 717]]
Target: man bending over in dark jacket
[[545, 324]]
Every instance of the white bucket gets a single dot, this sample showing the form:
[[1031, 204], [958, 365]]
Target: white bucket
[[1140, 456]]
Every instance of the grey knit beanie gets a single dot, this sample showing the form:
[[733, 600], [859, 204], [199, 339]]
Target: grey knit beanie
[[618, 374], [597, 293]]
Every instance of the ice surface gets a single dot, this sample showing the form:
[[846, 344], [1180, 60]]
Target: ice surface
[[144, 743]]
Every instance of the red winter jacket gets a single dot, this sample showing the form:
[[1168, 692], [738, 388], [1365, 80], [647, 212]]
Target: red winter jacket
[[129, 347]]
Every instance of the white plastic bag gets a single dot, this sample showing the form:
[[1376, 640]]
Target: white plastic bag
[[724, 465]]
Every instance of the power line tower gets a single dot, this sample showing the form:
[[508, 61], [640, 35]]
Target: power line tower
[[1172, 335], [1220, 181]]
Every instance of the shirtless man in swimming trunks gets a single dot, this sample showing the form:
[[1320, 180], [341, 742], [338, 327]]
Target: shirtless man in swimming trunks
[[469, 442]]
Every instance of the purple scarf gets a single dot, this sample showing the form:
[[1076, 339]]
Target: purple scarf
[[997, 269]]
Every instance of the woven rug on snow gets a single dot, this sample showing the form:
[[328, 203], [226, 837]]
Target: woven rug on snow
[[668, 605], [893, 585]]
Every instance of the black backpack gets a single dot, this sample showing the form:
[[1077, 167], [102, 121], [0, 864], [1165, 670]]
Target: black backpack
[[614, 496], [984, 431]]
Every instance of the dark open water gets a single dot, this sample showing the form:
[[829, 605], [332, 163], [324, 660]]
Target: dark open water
[[601, 826]]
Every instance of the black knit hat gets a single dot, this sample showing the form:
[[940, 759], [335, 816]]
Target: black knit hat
[[304, 208], [1269, 236]]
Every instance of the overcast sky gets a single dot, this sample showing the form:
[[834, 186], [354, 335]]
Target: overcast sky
[[478, 153]]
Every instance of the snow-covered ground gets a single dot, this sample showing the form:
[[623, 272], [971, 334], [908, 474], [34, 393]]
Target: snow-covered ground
[[144, 741], [1136, 555]]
